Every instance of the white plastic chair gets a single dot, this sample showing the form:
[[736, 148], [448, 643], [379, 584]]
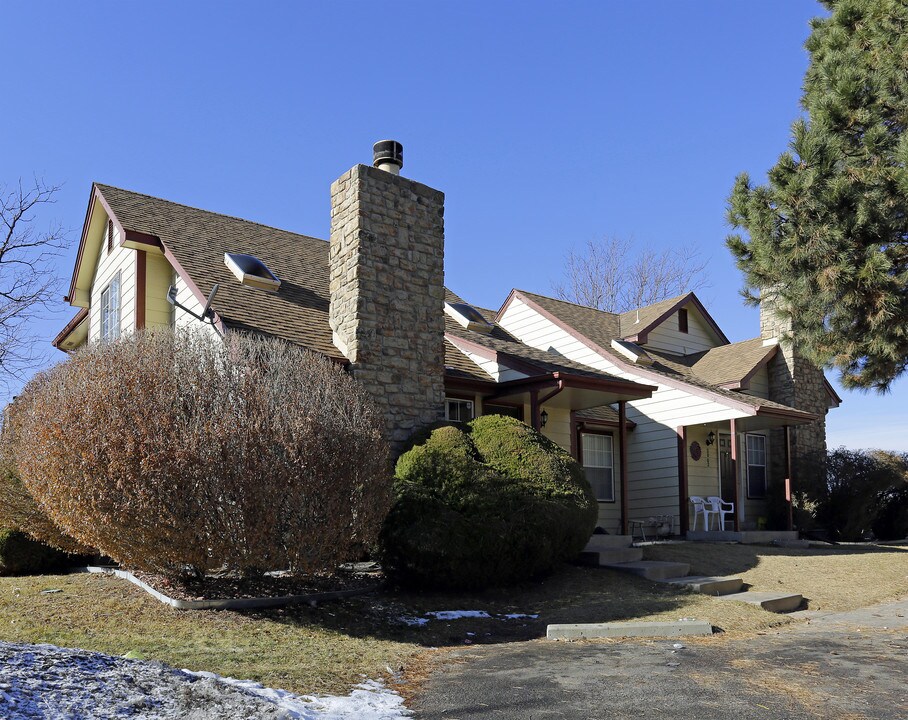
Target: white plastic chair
[[721, 508], [701, 508]]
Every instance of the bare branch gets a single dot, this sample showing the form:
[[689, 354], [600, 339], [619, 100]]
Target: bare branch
[[615, 275], [28, 281]]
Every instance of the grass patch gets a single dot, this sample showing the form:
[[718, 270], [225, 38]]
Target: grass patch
[[328, 648], [833, 577]]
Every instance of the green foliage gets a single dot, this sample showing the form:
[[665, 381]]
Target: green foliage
[[862, 491], [891, 521], [490, 503], [828, 233], [21, 555], [180, 454]]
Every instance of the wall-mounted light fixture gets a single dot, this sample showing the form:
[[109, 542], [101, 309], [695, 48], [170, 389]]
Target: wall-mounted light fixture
[[543, 418], [711, 438]]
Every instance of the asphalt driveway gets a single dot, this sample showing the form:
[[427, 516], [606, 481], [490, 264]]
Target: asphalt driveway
[[844, 666]]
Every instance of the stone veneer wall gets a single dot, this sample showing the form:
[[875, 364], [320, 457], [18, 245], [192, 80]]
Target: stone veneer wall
[[387, 293], [798, 383]]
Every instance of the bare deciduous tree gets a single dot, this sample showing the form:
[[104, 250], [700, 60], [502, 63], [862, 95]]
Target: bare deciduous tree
[[614, 275], [28, 281]]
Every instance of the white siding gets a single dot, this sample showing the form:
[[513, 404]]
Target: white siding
[[119, 260], [183, 320], [501, 373], [668, 338], [759, 384], [652, 461]]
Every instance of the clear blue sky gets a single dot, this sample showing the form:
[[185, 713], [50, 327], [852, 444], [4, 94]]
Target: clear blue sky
[[545, 124]]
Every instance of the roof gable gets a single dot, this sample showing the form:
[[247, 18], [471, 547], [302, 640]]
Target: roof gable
[[635, 325]]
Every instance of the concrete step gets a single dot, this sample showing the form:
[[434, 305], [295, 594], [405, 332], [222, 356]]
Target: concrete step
[[708, 585], [617, 555], [652, 569], [606, 542], [771, 601]]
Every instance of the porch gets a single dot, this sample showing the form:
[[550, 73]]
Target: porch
[[745, 461]]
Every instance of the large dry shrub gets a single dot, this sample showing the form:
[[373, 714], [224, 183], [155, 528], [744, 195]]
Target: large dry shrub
[[182, 454], [19, 510]]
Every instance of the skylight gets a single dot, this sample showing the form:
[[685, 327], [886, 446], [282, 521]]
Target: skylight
[[251, 271], [469, 317]]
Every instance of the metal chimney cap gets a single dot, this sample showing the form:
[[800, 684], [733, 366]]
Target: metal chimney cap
[[388, 155]]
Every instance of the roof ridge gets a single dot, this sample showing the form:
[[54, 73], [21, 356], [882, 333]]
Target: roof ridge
[[658, 302], [568, 302], [209, 212]]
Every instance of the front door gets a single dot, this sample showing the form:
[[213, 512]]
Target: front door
[[726, 477]]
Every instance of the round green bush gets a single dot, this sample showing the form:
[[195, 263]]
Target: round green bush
[[491, 502]]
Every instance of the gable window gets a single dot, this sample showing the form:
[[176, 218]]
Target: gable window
[[109, 236], [598, 464], [756, 466], [682, 320], [457, 410], [110, 310]]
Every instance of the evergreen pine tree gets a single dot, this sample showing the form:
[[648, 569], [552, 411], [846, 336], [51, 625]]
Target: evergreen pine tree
[[828, 234]]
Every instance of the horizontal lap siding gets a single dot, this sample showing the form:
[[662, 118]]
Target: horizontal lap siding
[[759, 384], [185, 321], [122, 260], [159, 277], [653, 444], [667, 337], [500, 372]]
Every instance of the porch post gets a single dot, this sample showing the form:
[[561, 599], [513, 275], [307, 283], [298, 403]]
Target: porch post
[[622, 459], [682, 479], [788, 498], [534, 410], [734, 473]]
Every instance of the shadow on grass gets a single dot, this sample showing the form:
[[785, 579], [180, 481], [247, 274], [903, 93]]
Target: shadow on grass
[[569, 595]]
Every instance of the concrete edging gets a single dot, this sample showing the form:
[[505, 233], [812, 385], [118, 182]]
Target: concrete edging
[[228, 603], [628, 629]]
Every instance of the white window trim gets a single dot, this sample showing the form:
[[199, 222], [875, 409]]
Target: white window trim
[[111, 330], [610, 467], [765, 465]]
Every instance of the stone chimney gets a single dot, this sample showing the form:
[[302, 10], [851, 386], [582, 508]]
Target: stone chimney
[[798, 383], [387, 289]]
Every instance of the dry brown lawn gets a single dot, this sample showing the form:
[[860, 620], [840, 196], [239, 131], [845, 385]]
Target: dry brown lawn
[[830, 577], [330, 647]]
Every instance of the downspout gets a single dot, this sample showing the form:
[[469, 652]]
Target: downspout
[[536, 403], [734, 473], [682, 479], [788, 497], [622, 459]]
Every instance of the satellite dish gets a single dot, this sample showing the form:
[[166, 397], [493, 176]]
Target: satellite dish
[[207, 312]]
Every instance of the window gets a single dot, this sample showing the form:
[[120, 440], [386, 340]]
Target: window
[[458, 410], [756, 466], [598, 464], [110, 310], [682, 320], [514, 411]]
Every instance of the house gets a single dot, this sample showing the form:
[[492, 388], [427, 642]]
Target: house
[[657, 404]]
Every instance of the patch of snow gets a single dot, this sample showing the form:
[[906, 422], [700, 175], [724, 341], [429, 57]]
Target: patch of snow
[[45, 681], [457, 614], [369, 700], [460, 614]]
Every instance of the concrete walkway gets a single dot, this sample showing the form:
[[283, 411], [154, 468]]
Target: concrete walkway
[[849, 665]]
